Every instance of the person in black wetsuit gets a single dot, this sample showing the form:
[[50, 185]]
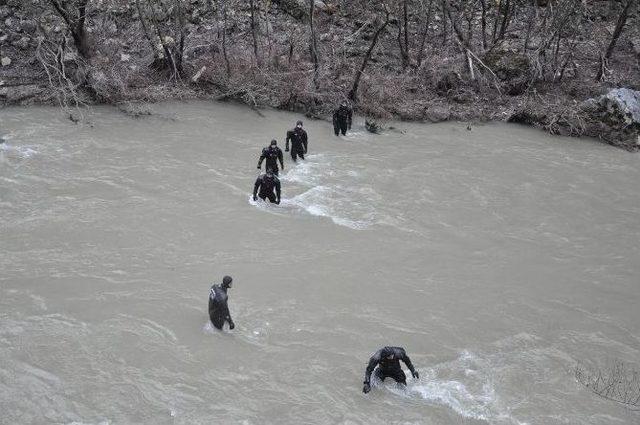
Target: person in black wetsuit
[[265, 185], [272, 154], [388, 361], [298, 138], [218, 309], [342, 119]]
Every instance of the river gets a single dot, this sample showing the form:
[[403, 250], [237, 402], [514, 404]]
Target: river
[[499, 257]]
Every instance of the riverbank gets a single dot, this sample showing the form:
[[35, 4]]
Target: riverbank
[[259, 54]]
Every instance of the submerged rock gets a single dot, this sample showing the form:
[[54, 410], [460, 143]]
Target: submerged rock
[[372, 126]]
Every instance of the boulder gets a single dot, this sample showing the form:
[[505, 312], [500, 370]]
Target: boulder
[[615, 117], [22, 43], [507, 64], [5, 61], [296, 8], [448, 82], [372, 126], [437, 113]]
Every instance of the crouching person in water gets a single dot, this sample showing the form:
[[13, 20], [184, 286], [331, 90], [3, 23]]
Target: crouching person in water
[[218, 309], [267, 186], [388, 361]]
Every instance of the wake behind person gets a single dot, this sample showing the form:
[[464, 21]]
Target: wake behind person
[[298, 138], [272, 154], [218, 309], [342, 118], [387, 360], [267, 186]]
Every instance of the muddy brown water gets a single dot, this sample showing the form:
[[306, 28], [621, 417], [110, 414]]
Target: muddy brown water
[[498, 257]]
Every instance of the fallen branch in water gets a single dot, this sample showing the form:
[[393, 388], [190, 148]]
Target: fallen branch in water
[[617, 382]]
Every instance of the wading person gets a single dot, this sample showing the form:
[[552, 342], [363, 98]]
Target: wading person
[[298, 138], [272, 154], [342, 119], [387, 360], [267, 186], [218, 309]]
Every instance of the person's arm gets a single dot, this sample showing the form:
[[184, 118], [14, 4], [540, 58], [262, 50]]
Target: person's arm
[[304, 140], [262, 157], [278, 191], [228, 318], [255, 189], [335, 117], [286, 143], [280, 158], [349, 118], [373, 362], [407, 361]]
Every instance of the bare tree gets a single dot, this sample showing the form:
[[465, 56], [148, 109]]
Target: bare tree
[[617, 382], [254, 30], [425, 30], [166, 28], [313, 45], [353, 93], [622, 20], [74, 14]]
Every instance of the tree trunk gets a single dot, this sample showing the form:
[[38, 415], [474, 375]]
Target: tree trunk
[[406, 32], [224, 38], [483, 23], [425, 32], [622, 20], [76, 27], [254, 35], [356, 82], [313, 45], [180, 30], [444, 22]]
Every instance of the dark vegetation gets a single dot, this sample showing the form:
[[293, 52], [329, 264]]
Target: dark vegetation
[[531, 61]]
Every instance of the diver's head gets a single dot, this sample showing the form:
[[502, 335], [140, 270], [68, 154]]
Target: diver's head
[[274, 142], [299, 124], [227, 282], [387, 353]]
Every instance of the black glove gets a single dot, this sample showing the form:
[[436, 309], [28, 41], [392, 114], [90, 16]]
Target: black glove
[[415, 375], [286, 149], [366, 388], [255, 198], [258, 167], [231, 324]]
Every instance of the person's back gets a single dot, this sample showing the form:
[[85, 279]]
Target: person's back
[[218, 308], [386, 363]]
